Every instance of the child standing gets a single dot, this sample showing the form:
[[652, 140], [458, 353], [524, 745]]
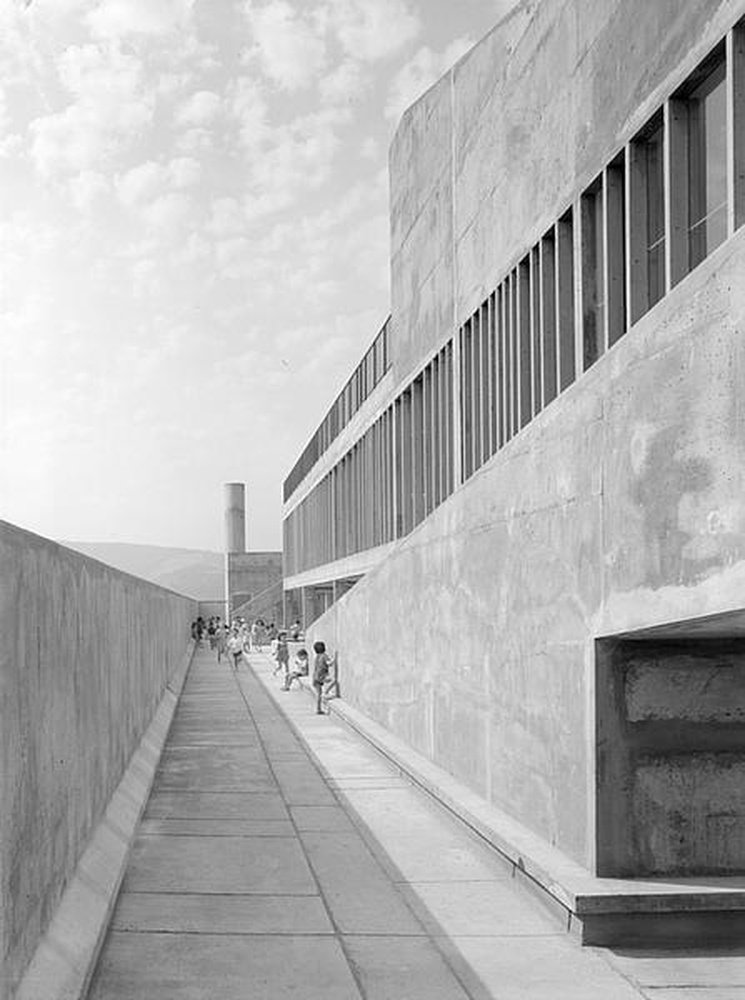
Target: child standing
[[221, 640], [282, 655], [235, 646], [321, 666]]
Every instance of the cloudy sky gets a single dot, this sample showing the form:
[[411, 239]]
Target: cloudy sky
[[193, 244]]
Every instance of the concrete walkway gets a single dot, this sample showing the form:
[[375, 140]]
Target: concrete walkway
[[280, 856]]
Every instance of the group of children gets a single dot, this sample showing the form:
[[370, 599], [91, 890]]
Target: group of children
[[325, 678], [240, 639]]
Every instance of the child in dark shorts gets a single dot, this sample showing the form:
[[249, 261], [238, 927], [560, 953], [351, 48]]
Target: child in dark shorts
[[321, 666], [282, 655]]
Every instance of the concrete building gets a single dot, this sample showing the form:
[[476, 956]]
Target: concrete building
[[522, 522], [251, 578]]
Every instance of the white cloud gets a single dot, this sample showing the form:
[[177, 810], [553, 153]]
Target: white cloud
[[371, 31], [87, 188], [249, 110], [112, 107], [86, 70], [119, 18], [4, 114], [424, 69], [292, 158], [141, 183], [194, 250], [200, 109], [168, 212], [67, 141], [195, 140], [258, 205], [184, 171], [225, 217], [145, 279], [169, 83], [290, 48], [370, 148], [344, 84], [229, 252], [11, 145]]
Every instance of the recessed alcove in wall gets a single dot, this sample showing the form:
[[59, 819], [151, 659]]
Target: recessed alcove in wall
[[670, 744]]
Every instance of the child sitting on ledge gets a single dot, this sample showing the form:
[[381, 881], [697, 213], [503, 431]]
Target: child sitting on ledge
[[301, 669]]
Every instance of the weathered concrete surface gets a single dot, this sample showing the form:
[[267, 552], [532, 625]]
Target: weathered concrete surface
[[251, 573], [671, 757], [283, 907], [483, 917], [86, 655], [492, 155], [62, 964], [402, 902], [619, 507]]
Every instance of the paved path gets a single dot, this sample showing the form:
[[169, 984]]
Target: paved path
[[264, 871]]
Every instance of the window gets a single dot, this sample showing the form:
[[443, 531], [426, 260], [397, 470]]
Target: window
[[565, 297], [646, 218], [615, 248], [524, 350], [514, 347], [501, 338], [707, 166], [593, 275], [655, 205], [418, 487], [494, 394], [466, 399], [736, 70], [548, 312], [535, 317]]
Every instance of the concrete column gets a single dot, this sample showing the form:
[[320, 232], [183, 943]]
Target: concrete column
[[227, 588], [235, 533], [235, 517]]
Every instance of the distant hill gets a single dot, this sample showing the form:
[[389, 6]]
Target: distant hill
[[192, 572]]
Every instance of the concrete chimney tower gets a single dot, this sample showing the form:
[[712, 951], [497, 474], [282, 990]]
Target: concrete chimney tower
[[235, 517]]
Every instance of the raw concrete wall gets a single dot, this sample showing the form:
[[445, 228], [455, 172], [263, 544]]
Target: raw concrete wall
[[621, 506], [250, 573], [85, 656], [671, 757], [496, 151]]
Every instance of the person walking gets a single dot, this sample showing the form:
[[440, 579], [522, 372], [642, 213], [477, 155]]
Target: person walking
[[235, 647], [282, 656], [221, 639]]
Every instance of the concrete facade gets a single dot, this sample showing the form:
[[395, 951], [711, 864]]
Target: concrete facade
[[250, 574], [475, 639], [86, 656], [616, 509], [247, 574]]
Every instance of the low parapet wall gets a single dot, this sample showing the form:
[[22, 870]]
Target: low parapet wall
[[86, 653]]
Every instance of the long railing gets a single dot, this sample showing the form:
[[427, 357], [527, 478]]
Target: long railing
[[361, 383]]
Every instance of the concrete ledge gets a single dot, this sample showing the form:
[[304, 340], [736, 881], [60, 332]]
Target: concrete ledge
[[64, 961], [600, 911]]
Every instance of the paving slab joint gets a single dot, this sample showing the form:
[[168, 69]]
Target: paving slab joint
[[65, 959], [598, 911]]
